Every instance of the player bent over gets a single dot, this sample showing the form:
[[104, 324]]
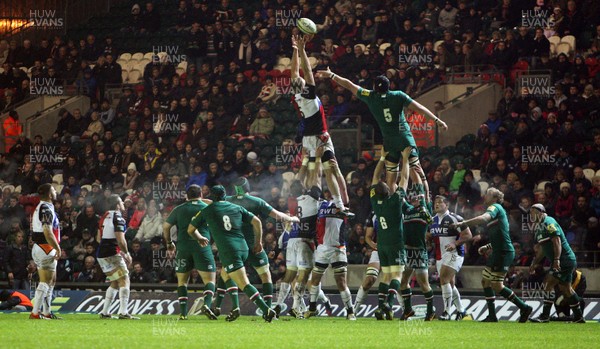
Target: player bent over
[[387, 205], [373, 267], [225, 221], [417, 259], [331, 250], [114, 258], [188, 255], [501, 257], [45, 252], [552, 244], [449, 254]]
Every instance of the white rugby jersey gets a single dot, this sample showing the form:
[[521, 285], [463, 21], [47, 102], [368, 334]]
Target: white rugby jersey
[[443, 235], [330, 226], [306, 210], [111, 222], [311, 110], [44, 214]]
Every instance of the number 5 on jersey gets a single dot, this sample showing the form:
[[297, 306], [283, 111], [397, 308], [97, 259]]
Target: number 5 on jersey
[[387, 115]]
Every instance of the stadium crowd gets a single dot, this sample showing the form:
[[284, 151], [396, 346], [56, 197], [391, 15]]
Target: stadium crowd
[[138, 149]]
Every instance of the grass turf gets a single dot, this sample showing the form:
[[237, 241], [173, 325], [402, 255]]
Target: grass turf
[[158, 331]]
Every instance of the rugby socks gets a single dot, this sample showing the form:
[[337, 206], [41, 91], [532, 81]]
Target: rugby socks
[[490, 298], [109, 297], [547, 307], [361, 295], [267, 291], [220, 292], [232, 290], [456, 299], [322, 297], [255, 297], [47, 306], [447, 297], [392, 292], [574, 302], [347, 300], [429, 299], [40, 297], [314, 295], [382, 293], [284, 291], [511, 296], [124, 299], [182, 296], [407, 298], [299, 296], [209, 292]]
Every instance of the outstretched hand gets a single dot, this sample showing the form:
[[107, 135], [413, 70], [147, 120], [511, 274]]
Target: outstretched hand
[[441, 124], [324, 73]]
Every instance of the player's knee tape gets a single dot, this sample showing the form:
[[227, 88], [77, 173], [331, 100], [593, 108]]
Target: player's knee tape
[[117, 274], [262, 269], [372, 271], [489, 275], [386, 270], [414, 162], [319, 268], [341, 268]]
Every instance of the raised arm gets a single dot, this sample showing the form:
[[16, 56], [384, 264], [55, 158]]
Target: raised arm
[[421, 109], [345, 83], [304, 63], [282, 217], [404, 171], [295, 70], [379, 168]]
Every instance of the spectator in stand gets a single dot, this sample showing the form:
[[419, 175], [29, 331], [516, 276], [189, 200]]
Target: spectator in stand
[[16, 259], [64, 267], [263, 125], [138, 275], [564, 205], [12, 129], [91, 271]]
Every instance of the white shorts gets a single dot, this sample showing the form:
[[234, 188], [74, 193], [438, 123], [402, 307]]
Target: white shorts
[[42, 259], [374, 257], [111, 263], [299, 254], [311, 143], [326, 255], [450, 259]]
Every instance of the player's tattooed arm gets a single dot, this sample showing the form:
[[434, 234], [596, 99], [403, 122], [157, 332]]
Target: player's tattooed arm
[[557, 247], [418, 107], [345, 83]]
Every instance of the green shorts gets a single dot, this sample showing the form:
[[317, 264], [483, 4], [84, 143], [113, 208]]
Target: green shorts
[[565, 275], [200, 258], [500, 261], [391, 255], [233, 260], [395, 146], [257, 260], [417, 258]]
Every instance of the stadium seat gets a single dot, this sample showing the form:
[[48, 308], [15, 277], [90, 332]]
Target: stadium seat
[[554, 39], [563, 47], [137, 55], [285, 61], [9, 187], [122, 62], [589, 173], [57, 178], [124, 75], [569, 39], [598, 173], [484, 187], [58, 187], [384, 47], [180, 71], [131, 64], [141, 65], [476, 175], [362, 46], [148, 55], [313, 62], [521, 65], [437, 44], [125, 56], [183, 65], [134, 76], [279, 67], [18, 189]]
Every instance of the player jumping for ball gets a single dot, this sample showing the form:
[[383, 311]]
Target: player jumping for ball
[[313, 124], [388, 109]]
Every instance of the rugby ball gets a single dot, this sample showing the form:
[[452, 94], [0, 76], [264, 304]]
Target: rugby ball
[[307, 26]]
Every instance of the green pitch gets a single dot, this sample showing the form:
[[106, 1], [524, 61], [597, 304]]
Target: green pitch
[[165, 332]]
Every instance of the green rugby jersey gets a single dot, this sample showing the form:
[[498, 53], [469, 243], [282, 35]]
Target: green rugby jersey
[[497, 229], [225, 221], [181, 216], [389, 217], [256, 206], [415, 225], [544, 233]]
